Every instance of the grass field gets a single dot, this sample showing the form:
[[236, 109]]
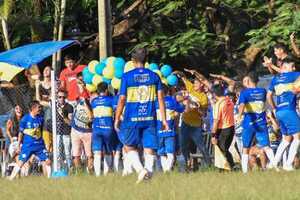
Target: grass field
[[201, 185]]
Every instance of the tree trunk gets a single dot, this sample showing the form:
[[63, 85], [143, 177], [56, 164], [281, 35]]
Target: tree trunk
[[5, 34], [55, 30], [61, 30], [103, 28]]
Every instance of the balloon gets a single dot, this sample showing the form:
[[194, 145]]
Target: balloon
[[92, 65], [119, 73], [116, 83], [172, 80], [158, 73], [147, 65], [296, 86], [108, 72], [164, 81], [91, 87], [129, 66], [99, 68], [108, 81], [119, 63], [166, 70], [110, 61], [153, 66], [97, 79], [85, 70], [88, 77]]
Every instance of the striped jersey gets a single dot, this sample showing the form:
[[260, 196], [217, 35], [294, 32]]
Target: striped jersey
[[31, 127]]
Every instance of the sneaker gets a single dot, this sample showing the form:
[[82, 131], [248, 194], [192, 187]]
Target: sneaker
[[142, 175], [288, 168]]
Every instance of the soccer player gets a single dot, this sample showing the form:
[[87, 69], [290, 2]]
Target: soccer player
[[30, 137], [140, 89], [285, 109], [166, 138], [252, 105], [102, 137]]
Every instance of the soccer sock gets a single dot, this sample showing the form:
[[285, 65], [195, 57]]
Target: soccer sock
[[134, 161], [170, 160], [149, 162], [116, 161], [97, 163], [270, 154], [106, 164], [25, 170], [48, 170], [292, 152], [245, 159], [164, 162], [282, 146], [14, 172], [284, 158]]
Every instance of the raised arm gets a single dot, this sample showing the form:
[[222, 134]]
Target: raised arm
[[230, 82], [294, 45]]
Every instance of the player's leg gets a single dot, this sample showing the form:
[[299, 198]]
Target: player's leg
[[97, 148], [170, 150], [224, 142], [161, 152], [76, 148], [42, 154], [117, 152], [150, 145], [87, 144], [247, 137], [108, 144]]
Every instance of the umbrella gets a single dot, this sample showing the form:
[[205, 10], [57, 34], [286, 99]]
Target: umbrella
[[15, 60]]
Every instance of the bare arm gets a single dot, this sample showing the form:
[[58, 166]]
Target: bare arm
[[270, 100], [161, 104], [120, 108], [294, 45], [8, 128], [230, 82], [200, 77]]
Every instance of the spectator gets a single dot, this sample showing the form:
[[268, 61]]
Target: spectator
[[223, 123], [281, 53], [81, 132], [68, 78], [64, 117], [43, 95]]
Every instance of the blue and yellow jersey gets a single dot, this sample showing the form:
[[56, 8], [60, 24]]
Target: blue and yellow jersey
[[115, 102], [140, 86], [102, 107], [254, 100], [31, 127], [172, 108], [282, 86]]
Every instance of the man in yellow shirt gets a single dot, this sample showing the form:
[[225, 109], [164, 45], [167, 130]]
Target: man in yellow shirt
[[191, 128]]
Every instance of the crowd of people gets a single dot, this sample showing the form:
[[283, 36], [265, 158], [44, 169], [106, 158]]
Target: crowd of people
[[150, 126]]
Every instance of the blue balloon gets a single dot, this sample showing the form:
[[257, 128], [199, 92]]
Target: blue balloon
[[119, 73], [166, 70], [172, 80], [119, 63], [99, 68], [153, 66], [85, 70], [108, 81], [88, 77]]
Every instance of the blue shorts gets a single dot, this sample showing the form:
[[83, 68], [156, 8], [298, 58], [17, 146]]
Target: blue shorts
[[289, 121], [38, 150], [118, 146], [166, 145], [259, 130], [103, 142], [147, 136]]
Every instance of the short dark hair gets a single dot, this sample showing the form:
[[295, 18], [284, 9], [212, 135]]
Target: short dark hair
[[33, 104], [79, 74], [69, 57], [102, 87], [281, 46], [139, 55], [253, 77], [218, 90]]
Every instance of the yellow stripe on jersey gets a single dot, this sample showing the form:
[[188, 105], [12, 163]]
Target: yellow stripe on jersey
[[141, 94], [33, 132], [170, 114], [283, 87], [255, 107], [103, 111]]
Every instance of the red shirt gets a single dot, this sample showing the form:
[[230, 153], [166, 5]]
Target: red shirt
[[69, 77]]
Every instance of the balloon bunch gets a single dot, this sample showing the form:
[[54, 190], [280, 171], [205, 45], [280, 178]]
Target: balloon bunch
[[109, 70], [165, 73]]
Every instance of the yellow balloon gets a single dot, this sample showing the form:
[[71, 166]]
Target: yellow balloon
[[164, 81], [108, 72], [91, 87], [97, 79], [147, 65], [110, 61], [116, 83], [129, 66], [158, 73], [92, 66]]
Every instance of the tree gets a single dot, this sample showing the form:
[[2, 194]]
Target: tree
[[6, 8]]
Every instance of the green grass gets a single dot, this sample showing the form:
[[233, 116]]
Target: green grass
[[201, 185]]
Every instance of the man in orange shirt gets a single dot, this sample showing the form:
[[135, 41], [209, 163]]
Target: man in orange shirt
[[223, 125], [69, 79]]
